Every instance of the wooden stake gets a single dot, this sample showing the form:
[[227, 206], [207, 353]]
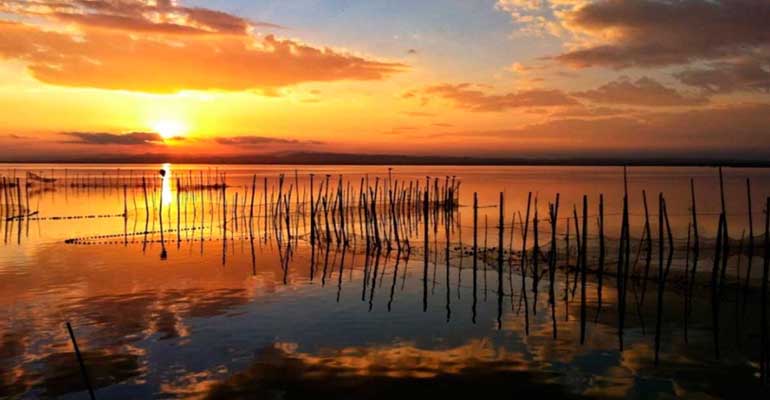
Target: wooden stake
[[83, 371], [475, 251], [764, 358], [584, 267], [500, 246]]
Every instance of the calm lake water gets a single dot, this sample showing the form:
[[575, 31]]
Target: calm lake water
[[198, 295]]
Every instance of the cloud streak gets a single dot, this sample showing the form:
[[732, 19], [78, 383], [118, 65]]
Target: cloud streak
[[642, 92], [103, 138], [261, 141], [745, 74], [685, 134], [473, 98]]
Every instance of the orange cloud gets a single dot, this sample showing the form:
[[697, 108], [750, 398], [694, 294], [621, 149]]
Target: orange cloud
[[135, 15], [262, 141], [651, 33], [643, 92], [472, 98], [585, 111], [160, 49], [745, 74], [419, 114], [700, 131], [102, 138]]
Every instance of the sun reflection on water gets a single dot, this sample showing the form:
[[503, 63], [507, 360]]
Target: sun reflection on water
[[166, 187]]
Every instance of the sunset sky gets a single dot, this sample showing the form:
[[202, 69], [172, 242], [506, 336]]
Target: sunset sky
[[482, 78]]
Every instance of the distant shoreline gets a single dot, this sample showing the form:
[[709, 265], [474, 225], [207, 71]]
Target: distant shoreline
[[544, 163], [313, 158]]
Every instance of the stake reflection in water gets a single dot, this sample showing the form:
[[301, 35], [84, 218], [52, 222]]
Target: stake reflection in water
[[384, 220]]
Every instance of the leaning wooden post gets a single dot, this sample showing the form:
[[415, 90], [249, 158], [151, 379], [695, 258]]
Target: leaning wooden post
[[125, 202], [584, 267], [726, 241], [5, 197], [144, 190], [662, 272], [475, 250], [312, 212], [394, 218], [751, 234], [160, 203], [764, 361], [83, 371], [695, 233], [20, 203], [621, 283], [500, 263], [660, 276], [524, 242], [5, 204], [602, 251], [251, 203], [535, 258], [648, 256], [552, 262], [715, 285], [425, 269], [524, 264], [264, 190], [178, 214]]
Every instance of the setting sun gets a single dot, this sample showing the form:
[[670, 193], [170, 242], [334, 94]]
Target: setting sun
[[169, 129]]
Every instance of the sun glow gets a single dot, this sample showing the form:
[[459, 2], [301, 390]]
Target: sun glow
[[169, 129]]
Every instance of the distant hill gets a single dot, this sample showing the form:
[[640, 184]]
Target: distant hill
[[321, 158]]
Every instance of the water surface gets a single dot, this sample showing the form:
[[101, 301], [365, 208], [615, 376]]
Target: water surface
[[197, 295]]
